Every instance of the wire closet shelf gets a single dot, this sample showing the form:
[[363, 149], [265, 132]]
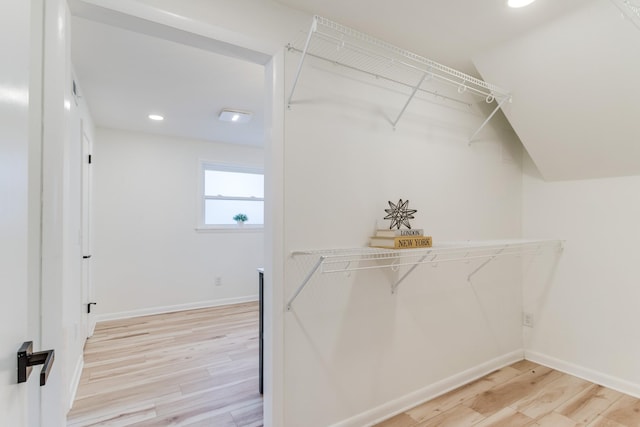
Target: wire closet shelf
[[631, 9], [355, 259], [347, 47]]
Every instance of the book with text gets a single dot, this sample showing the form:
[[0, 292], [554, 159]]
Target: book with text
[[401, 242], [397, 233]]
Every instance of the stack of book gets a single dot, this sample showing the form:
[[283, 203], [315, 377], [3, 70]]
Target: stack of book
[[400, 239]]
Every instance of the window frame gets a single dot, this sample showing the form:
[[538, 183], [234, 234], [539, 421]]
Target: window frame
[[203, 166]]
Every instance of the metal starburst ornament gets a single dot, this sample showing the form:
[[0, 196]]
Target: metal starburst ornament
[[399, 214]]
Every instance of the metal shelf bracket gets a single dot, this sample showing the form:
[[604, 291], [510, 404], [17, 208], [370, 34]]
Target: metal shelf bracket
[[495, 110], [305, 281], [394, 287], [481, 266], [630, 9]]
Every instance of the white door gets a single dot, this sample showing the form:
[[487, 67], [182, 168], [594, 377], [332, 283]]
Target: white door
[[87, 294], [19, 403]]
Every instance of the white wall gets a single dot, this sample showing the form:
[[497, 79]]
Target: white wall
[[586, 313], [354, 352], [148, 256]]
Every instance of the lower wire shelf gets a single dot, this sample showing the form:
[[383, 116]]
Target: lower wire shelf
[[354, 259]]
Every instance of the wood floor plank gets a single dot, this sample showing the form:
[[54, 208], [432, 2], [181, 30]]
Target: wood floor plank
[[400, 420], [454, 417], [589, 404], [506, 417], [550, 397], [248, 416], [524, 394], [447, 401], [625, 411], [496, 398], [553, 419], [196, 367], [224, 420], [524, 365], [604, 422]]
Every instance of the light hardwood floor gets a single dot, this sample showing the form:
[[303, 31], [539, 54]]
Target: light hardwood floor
[[525, 394], [190, 368], [199, 368]]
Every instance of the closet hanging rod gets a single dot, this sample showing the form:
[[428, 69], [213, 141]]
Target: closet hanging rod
[[321, 21], [378, 76], [630, 10], [464, 80], [335, 43]]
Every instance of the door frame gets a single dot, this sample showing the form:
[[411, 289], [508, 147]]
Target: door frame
[[151, 20]]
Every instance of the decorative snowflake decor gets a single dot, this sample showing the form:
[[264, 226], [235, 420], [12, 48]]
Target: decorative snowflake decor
[[399, 214]]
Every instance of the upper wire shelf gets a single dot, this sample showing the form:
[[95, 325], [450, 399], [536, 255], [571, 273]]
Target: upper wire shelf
[[355, 259], [631, 9], [352, 49]]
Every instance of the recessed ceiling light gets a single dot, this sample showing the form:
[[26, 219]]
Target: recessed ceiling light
[[234, 116], [519, 3], [156, 117]]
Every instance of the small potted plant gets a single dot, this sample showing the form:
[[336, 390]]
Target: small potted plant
[[240, 218]]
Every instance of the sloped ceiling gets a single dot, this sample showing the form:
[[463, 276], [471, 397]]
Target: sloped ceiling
[[576, 92]]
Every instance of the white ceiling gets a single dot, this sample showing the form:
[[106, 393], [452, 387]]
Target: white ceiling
[[124, 76]]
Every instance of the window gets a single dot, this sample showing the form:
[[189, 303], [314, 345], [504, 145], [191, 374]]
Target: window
[[230, 190]]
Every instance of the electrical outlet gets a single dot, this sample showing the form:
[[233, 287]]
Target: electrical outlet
[[218, 281], [527, 319]]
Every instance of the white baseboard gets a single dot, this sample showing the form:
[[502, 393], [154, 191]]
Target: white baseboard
[[596, 377], [92, 326], [173, 308], [75, 380], [415, 398]]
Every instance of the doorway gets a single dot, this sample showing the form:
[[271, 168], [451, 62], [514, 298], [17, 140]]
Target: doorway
[[101, 157]]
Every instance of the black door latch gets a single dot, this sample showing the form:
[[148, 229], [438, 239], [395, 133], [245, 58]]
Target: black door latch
[[27, 358]]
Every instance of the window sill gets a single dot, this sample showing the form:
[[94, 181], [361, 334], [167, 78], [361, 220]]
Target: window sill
[[247, 228]]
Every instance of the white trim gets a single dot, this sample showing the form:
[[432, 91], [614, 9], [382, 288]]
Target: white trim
[[230, 167], [172, 308], [408, 401], [75, 380], [92, 326], [615, 383], [247, 228], [157, 22], [274, 253]]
